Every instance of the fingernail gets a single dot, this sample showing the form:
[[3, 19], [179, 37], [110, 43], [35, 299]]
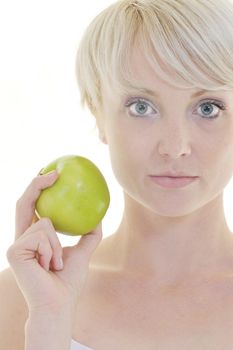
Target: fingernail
[[40, 172], [48, 173], [51, 172]]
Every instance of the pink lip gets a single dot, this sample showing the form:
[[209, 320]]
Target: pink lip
[[173, 182]]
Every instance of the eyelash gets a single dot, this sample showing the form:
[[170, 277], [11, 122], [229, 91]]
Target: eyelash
[[135, 100]]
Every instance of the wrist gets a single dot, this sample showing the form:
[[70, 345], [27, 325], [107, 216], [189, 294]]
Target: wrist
[[54, 310], [44, 330]]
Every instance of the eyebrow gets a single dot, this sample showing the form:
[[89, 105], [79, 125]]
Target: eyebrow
[[156, 94]]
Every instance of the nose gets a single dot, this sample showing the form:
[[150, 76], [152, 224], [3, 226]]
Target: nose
[[174, 141]]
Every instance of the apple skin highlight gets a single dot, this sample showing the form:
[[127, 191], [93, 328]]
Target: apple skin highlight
[[78, 200]]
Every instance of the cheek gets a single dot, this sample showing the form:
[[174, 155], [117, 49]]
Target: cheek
[[225, 161], [127, 153], [218, 161]]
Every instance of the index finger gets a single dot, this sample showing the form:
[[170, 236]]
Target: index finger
[[25, 206]]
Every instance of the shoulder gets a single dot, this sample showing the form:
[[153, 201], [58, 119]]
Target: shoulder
[[14, 312]]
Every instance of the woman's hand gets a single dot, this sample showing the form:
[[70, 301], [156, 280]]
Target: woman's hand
[[49, 276]]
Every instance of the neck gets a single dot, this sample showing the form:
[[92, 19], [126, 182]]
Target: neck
[[174, 249]]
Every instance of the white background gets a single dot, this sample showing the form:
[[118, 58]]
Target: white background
[[41, 118]]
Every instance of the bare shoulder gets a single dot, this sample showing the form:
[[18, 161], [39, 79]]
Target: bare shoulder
[[14, 312]]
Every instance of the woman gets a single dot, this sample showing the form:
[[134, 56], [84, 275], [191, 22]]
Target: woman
[[157, 76]]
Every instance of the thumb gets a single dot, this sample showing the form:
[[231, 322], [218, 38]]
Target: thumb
[[85, 247], [77, 258], [89, 242]]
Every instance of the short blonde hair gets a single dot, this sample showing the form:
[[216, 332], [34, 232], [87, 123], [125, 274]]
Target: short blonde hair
[[194, 38]]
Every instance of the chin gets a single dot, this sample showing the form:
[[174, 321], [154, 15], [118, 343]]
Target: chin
[[172, 208]]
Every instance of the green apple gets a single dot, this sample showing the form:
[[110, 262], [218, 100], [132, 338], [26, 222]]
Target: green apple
[[79, 198]]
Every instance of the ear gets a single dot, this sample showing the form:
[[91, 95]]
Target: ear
[[101, 128], [102, 137]]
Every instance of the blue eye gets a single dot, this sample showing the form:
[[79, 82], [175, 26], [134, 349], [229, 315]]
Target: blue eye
[[211, 109], [139, 107]]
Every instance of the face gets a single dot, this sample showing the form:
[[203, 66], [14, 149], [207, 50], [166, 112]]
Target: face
[[169, 130]]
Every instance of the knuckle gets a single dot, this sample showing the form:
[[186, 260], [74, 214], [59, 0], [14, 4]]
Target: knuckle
[[27, 194], [57, 247], [44, 242], [34, 182], [42, 236], [10, 253], [19, 202], [48, 252], [46, 222], [33, 186], [56, 244]]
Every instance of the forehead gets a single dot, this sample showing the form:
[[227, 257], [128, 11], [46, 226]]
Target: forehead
[[145, 68], [145, 73], [142, 77], [141, 67]]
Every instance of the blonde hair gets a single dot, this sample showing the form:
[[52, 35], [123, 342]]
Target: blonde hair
[[194, 38]]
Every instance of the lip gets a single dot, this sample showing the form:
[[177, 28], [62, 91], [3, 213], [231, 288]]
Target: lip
[[173, 182]]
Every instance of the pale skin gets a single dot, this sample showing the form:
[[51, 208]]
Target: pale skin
[[164, 279], [177, 232]]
